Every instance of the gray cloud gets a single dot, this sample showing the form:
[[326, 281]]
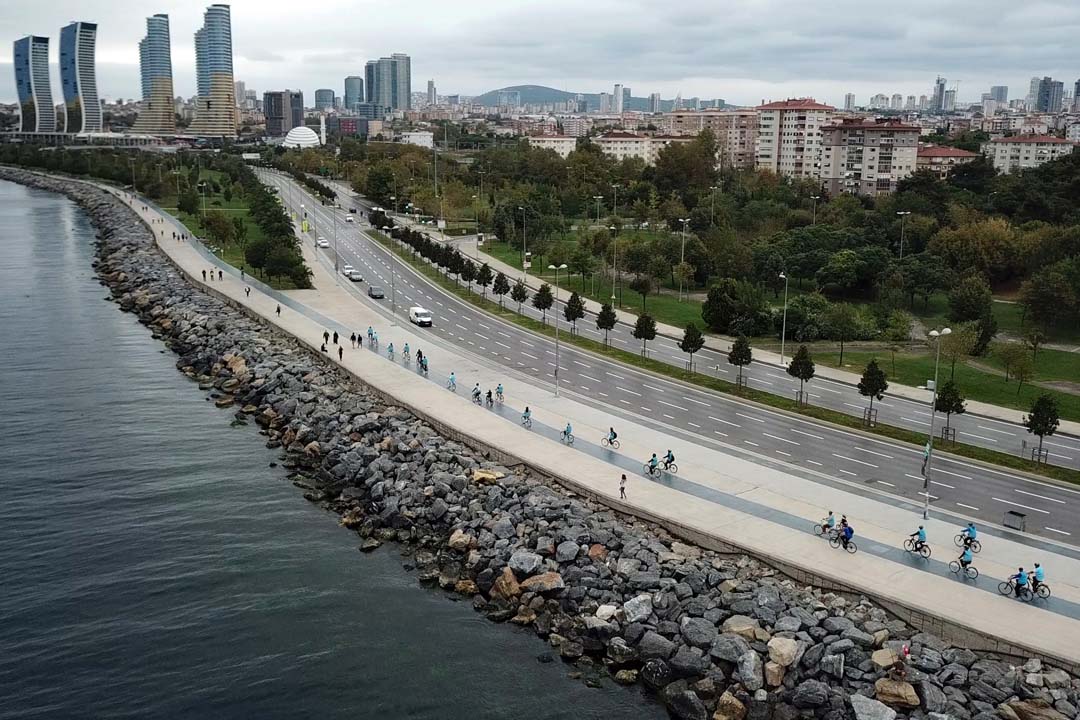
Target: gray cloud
[[741, 50]]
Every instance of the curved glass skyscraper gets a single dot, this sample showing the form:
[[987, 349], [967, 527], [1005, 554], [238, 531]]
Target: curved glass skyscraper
[[215, 111], [78, 79], [36, 111], [155, 64]]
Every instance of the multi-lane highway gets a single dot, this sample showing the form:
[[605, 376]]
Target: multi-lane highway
[[800, 446]]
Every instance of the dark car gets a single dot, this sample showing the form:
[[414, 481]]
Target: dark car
[[376, 292], [352, 211]]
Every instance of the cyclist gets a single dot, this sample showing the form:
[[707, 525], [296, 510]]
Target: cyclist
[[490, 401], [370, 332], [375, 339], [965, 558], [423, 364], [526, 417], [969, 533], [419, 357], [1021, 580], [476, 393], [405, 353], [829, 523], [653, 462], [843, 522], [390, 351], [846, 535], [1037, 576], [611, 435], [499, 392], [567, 432], [919, 536], [668, 459], [451, 382]]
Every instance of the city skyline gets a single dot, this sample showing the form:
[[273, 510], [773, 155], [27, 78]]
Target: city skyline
[[784, 50]]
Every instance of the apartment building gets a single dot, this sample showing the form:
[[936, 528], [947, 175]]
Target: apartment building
[[1021, 152], [561, 144], [941, 159], [735, 131], [789, 136], [867, 156]]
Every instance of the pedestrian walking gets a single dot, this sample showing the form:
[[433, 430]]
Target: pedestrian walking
[[211, 274], [204, 276], [279, 311], [335, 337], [340, 353], [220, 275], [622, 487], [352, 341], [247, 291], [242, 273], [326, 336]]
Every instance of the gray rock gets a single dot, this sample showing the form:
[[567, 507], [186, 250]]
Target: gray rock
[[788, 623], [638, 609], [567, 551], [698, 632], [836, 624], [929, 660], [525, 563], [960, 656], [656, 674], [869, 709], [749, 671], [840, 646], [810, 694], [685, 705], [953, 674], [688, 662], [620, 652], [833, 665], [504, 528], [931, 697], [729, 648], [859, 637], [653, 645]]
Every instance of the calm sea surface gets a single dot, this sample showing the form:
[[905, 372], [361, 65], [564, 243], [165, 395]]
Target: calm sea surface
[[152, 564]]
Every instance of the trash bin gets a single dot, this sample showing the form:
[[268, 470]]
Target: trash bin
[[1014, 520]]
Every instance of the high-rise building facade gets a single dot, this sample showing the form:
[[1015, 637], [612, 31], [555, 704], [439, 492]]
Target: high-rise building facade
[[324, 99], [605, 103], [735, 132], [389, 81], [924, 103], [82, 108], [896, 102], [37, 114], [949, 104], [626, 98], [215, 103], [1049, 95], [909, 104], [432, 95], [789, 136], [849, 102], [239, 91], [155, 68], [1000, 93], [402, 81], [655, 104], [866, 156], [617, 100], [937, 101], [1076, 97], [284, 110], [354, 92]]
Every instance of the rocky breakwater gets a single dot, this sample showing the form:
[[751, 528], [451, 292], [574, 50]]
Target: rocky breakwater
[[714, 636]]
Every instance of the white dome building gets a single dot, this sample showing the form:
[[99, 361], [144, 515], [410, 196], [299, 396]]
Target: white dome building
[[301, 137]]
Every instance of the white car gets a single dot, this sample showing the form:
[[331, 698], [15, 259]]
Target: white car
[[346, 269], [322, 243], [419, 316], [349, 218], [355, 276]]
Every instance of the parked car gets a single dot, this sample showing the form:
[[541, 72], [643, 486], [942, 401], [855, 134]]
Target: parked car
[[376, 292], [419, 316]]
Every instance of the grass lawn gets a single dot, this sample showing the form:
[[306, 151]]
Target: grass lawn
[[914, 368]]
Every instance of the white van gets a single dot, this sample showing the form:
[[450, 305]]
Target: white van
[[419, 316]]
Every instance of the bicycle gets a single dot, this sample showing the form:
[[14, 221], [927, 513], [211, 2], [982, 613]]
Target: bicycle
[[489, 402], [960, 539], [671, 468], [499, 397], [568, 438], [970, 571], [477, 399], [606, 442], [653, 470], [850, 546], [821, 530], [1043, 591], [451, 385], [920, 549], [527, 422], [1008, 587], [390, 355]]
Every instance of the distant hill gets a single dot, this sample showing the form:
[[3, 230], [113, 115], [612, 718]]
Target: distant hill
[[539, 95]]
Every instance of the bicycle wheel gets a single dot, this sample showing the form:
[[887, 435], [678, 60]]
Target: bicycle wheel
[[972, 572], [976, 546], [909, 545], [954, 566], [1025, 594], [959, 540], [819, 529], [1043, 591], [615, 444], [925, 552], [1005, 587], [851, 548], [834, 541], [569, 439], [673, 469]]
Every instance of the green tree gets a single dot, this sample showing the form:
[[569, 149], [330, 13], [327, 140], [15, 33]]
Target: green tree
[[1023, 368], [543, 300], [188, 202], [1007, 353], [1043, 419], [985, 330], [801, 366], [740, 354], [467, 271], [256, 252], [692, 341], [483, 279], [240, 231], [950, 402], [500, 287], [574, 310], [1049, 296], [1033, 338], [605, 320], [642, 285], [519, 294], [969, 299], [842, 325], [218, 227], [958, 344], [873, 383], [644, 330]]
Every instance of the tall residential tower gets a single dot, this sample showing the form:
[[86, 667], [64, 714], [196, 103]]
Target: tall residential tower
[[215, 109], [77, 78], [354, 92], [155, 65], [36, 110]]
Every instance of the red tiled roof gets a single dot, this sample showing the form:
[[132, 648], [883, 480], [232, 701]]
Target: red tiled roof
[[870, 124], [1033, 139], [795, 104], [945, 151], [621, 135]]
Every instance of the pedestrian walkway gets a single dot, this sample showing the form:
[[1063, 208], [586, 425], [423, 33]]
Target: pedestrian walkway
[[719, 499]]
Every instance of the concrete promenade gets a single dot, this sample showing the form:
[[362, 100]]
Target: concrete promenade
[[718, 500]]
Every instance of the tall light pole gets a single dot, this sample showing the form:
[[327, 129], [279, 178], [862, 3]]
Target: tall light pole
[[615, 202], [481, 173], [783, 323], [597, 198], [815, 198], [557, 268], [903, 216], [476, 220], [393, 275], [682, 255], [936, 335], [712, 205], [522, 209], [334, 211]]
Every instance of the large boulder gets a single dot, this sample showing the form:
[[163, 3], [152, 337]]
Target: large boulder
[[638, 609], [783, 651], [545, 582], [729, 707], [742, 625], [749, 671], [896, 692], [698, 632], [869, 709], [729, 648], [506, 585], [525, 563], [654, 645], [810, 694]]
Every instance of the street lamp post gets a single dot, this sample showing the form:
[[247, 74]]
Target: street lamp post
[[903, 216], [523, 217], [335, 241], [615, 201], [815, 198], [476, 221], [393, 276], [712, 205], [557, 268], [597, 198], [783, 323], [933, 413], [682, 255], [614, 261]]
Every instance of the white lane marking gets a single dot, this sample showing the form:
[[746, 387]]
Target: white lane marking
[[1063, 457], [781, 452], [482, 337], [1026, 507], [1059, 532], [763, 382], [872, 452], [774, 375], [932, 497], [751, 443], [882, 482], [750, 417], [505, 335], [913, 477], [677, 407], [462, 327], [969, 507], [669, 417], [1041, 497], [910, 420], [652, 388], [777, 437], [614, 375], [692, 424], [588, 378], [814, 462], [949, 472], [717, 432], [981, 437], [483, 325], [526, 342], [857, 407], [935, 482], [699, 402], [624, 402], [816, 437], [577, 362], [602, 394], [861, 462], [846, 472], [531, 357], [502, 344], [835, 392], [628, 391], [726, 422]]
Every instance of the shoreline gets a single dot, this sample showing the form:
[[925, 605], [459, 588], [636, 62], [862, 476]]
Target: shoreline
[[715, 635]]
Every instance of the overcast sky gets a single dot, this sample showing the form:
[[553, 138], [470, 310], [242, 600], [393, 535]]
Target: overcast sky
[[743, 51]]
